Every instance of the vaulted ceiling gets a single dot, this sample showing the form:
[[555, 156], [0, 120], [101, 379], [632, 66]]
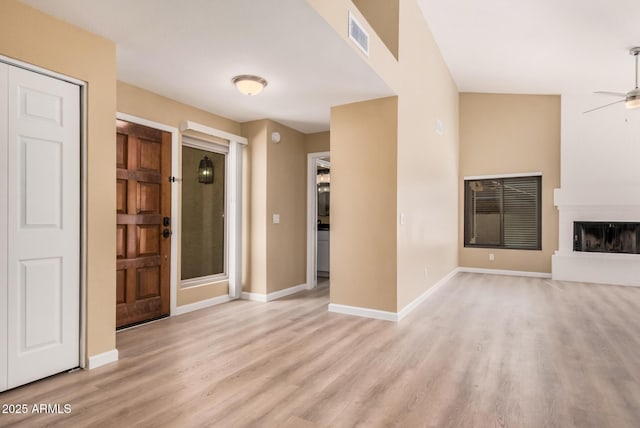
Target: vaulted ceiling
[[189, 50]]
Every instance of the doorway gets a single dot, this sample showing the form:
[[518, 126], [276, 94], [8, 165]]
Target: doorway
[[318, 219]]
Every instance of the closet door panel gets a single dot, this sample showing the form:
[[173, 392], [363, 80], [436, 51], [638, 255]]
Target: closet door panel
[[43, 196]]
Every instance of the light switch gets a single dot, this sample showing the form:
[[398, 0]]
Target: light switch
[[276, 218]]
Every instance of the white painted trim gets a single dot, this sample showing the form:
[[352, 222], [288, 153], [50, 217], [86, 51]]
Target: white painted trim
[[233, 197], [175, 165], [505, 272], [188, 125], [103, 359], [254, 297], [259, 297], [4, 241], [84, 162], [363, 312], [202, 304], [514, 175], [213, 147], [234, 221], [424, 296], [286, 292], [313, 159], [40, 70], [392, 316], [209, 146]]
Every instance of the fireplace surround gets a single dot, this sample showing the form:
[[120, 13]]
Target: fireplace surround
[[610, 256]]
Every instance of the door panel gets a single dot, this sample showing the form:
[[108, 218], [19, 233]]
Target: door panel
[[43, 224], [143, 199]]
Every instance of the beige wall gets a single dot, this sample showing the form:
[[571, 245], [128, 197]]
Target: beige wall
[[383, 16], [276, 173], [335, 12], [33, 37], [317, 142], [148, 105], [363, 204], [255, 208], [502, 134], [287, 196], [427, 161], [425, 175]]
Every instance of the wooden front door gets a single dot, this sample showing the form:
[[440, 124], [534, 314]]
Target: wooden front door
[[143, 223]]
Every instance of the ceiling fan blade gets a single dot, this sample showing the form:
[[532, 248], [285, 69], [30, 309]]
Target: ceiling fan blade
[[606, 105], [615, 94]]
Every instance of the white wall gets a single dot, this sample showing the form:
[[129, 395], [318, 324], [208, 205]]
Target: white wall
[[601, 148]]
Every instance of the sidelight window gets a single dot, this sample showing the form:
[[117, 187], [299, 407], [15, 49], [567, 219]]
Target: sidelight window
[[204, 208]]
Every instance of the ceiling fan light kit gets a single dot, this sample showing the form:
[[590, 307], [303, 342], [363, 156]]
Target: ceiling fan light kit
[[632, 98]]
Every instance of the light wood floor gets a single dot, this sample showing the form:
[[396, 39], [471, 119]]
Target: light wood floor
[[483, 351]]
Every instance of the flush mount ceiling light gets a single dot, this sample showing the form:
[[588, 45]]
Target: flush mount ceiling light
[[248, 84]]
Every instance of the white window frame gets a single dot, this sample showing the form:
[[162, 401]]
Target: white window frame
[[195, 143], [234, 183]]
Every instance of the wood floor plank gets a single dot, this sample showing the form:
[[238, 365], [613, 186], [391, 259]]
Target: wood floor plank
[[483, 351]]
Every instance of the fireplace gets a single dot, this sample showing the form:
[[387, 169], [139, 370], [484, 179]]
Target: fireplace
[[606, 237]]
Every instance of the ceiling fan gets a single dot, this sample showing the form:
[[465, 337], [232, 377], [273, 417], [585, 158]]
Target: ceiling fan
[[632, 98]]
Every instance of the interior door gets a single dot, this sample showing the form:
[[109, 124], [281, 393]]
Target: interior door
[[143, 223], [41, 143]]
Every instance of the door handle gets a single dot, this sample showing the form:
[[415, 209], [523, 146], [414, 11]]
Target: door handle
[[166, 233]]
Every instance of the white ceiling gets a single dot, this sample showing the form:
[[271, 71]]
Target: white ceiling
[[189, 50], [537, 46]]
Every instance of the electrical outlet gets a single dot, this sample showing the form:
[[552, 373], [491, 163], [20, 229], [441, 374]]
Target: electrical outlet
[[426, 272], [492, 257], [276, 218]]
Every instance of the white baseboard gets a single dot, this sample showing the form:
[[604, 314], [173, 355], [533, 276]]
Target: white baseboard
[[254, 297], [260, 297], [391, 316], [363, 312], [100, 360], [505, 272], [424, 296], [201, 304]]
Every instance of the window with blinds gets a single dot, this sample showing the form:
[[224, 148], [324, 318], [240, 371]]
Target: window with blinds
[[503, 213]]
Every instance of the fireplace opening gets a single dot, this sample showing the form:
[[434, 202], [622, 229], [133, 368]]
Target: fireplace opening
[[606, 237]]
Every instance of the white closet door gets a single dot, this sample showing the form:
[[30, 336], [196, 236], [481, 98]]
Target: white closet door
[[4, 70], [43, 226]]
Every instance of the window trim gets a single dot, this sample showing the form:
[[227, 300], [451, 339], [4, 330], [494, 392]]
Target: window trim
[[213, 147], [501, 177]]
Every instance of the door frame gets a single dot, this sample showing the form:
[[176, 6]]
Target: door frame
[[173, 270], [82, 351], [312, 217]]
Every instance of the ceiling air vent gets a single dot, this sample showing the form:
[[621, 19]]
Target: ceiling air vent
[[358, 34]]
